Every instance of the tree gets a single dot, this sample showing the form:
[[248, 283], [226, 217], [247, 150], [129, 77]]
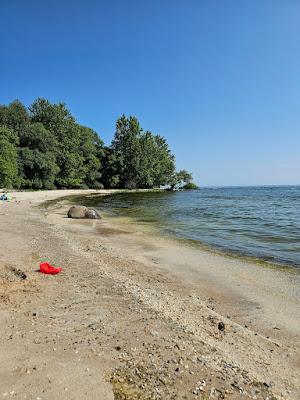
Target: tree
[[110, 169], [79, 149], [14, 116], [91, 148], [157, 163], [8, 158], [190, 186], [180, 179], [59, 121], [126, 149], [140, 159], [53, 116], [44, 147], [164, 166], [148, 150], [37, 160], [69, 158]]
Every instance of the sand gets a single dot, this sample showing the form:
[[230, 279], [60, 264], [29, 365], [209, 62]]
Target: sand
[[134, 315]]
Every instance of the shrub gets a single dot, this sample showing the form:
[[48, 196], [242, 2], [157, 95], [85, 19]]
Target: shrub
[[190, 186]]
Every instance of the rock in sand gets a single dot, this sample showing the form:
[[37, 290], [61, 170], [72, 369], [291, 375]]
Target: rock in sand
[[79, 212]]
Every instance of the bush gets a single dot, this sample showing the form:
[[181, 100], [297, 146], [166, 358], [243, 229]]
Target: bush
[[190, 186]]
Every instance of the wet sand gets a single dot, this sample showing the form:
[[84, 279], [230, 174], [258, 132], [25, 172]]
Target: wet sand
[[135, 315]]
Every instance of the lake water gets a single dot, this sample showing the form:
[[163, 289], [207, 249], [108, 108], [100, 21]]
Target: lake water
[[260, 222]]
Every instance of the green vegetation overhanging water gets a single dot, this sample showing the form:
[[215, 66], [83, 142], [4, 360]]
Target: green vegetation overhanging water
[[260, 222]]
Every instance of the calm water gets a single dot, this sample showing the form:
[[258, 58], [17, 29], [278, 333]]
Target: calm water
[[263, 222]]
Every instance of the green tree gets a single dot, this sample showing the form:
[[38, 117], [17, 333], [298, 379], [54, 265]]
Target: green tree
[[110, 169], [69, 158], [54, 117], [127, 151], [148, 160], [164, 166], [139, 159], [53, 150], [190, 186], [180, 179], [59, 121], [92, 151], [79, 149], [37, 158], [8, 158], [14, 116], [157, 163]]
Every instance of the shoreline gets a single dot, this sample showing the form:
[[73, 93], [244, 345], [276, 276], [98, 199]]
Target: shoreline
[[177, 297], [149, 243], [151, 229], [197, 244]]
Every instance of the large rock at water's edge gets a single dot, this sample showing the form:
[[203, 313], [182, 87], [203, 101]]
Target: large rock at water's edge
[[77, 212], [92, 214], [83, 212]]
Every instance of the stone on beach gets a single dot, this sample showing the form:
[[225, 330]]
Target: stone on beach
[[79, 212], [92, 214], [221, 326]]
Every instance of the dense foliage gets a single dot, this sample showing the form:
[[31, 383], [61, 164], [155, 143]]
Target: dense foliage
[[190, 186], [8, 157], [43, 147]]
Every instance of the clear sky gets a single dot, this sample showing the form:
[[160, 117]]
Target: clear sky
[[219, 79]]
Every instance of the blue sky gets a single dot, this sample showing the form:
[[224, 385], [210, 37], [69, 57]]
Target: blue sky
[[219, 79]]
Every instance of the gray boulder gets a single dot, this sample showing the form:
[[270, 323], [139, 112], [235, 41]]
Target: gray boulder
[[92, 214], [79, 212]]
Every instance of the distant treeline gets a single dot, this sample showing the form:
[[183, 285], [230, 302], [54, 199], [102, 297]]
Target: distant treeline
[[43, 147]]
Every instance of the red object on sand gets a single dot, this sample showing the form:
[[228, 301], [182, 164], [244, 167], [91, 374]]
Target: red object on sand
[[47, 268]]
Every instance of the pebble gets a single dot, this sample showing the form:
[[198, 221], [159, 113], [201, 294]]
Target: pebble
[[221, 326]]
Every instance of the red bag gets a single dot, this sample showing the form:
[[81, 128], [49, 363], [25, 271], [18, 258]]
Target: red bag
[[47, 268]]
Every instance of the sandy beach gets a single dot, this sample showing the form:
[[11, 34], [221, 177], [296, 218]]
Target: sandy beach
[[135, 315]]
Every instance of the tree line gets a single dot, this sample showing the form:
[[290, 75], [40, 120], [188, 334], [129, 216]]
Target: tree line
[[43, 147]]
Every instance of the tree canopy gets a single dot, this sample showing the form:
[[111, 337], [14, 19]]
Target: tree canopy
[[8, 158], [43, 147]]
